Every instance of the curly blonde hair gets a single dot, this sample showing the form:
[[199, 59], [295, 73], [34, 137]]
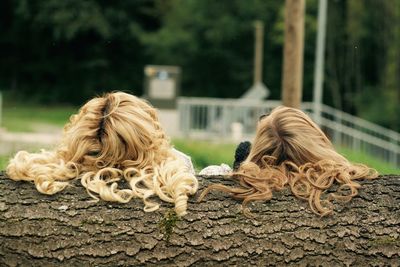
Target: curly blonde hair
[[289, 148], [112, 138]]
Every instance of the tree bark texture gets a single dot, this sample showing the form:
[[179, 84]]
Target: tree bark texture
[[67, 229]]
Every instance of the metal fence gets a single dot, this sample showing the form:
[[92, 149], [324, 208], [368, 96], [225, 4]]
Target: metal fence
[[214, 118]]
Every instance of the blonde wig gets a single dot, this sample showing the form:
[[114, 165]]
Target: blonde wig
[[113, 138], [290, 149]]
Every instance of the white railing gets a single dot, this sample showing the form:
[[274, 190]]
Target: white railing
[[213, 118]]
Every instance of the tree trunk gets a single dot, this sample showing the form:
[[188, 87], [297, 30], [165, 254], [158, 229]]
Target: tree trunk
[[293, 50], [67, 229]]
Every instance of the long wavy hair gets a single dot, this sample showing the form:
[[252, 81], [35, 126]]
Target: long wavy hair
[[112, 138], [290, 149]]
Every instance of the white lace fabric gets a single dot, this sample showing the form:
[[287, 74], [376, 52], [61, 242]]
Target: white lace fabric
[[216, 170], [186, 159]]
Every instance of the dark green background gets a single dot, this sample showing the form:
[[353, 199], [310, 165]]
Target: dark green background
[[54, 51]]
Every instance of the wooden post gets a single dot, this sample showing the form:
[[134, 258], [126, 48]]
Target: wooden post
[[258, 51], [293, 53], [258, 90]]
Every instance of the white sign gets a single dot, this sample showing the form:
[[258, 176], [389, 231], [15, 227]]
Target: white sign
[[162, 88]]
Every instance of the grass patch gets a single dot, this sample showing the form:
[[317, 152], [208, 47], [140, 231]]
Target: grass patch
[[205, 153], [3, 162], [359, 157], [17, 118]]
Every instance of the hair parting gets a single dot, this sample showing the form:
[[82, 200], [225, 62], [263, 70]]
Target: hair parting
[[104, 111]]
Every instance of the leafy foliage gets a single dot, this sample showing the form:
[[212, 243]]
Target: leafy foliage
[[67, 51]]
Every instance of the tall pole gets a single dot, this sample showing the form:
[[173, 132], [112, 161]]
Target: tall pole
[[258, 51], [319, 61], [293, 53], [258, 90]]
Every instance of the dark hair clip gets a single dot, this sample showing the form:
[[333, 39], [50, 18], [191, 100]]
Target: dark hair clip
[[263, 116]]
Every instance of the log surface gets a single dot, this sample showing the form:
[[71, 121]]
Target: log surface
[[67, 229]]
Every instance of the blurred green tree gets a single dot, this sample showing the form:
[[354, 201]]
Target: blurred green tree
[[213, 42], [67, 51], [363, 59]]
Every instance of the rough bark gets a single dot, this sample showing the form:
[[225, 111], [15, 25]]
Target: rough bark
[[67, 229]]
